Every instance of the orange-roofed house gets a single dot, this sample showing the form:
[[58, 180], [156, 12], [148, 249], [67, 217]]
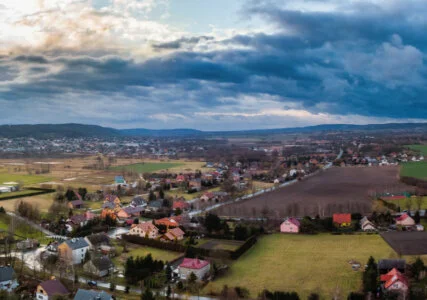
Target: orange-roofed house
[[342, 220], [395, 281], [175, 234], [145, 230]]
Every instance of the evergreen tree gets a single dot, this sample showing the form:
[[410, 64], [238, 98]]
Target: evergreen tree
[[370, 276], [147, 295]]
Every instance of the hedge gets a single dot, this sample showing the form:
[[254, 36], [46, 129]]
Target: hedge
[[37, 191], [199, 251]]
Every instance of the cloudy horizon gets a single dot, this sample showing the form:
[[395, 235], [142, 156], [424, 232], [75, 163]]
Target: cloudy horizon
[[213, 65]]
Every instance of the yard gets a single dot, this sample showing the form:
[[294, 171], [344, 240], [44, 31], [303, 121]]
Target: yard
[[305, 264]]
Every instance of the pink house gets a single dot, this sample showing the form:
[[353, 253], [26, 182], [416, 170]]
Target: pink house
[[290, 225], [405, 220]]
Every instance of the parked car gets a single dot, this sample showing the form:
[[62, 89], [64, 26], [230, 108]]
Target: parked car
[[92, 283]]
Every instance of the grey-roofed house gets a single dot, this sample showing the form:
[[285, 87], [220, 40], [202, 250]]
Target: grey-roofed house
[[386, 265], [92, 295], [76, 204], [73, 250], [50, 289], [8, 281], [155, 205], [138, 201], [99, 266]]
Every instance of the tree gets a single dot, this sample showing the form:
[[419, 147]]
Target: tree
[[193, 278], [417, 268], [82, 192], [168, 292], [419, 201], [112, 286], [70, 195], [151, 196], [370, 276], [127, 289], [161, 194], [147, 295], [417, 217], [2, 211], [240, 233], [355, 296], [212, 223], [313, 296], [168, 273]]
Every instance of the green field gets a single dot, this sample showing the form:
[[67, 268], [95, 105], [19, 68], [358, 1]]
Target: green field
[[414, 169], [421, 148], [304, 264], [147, 167], [24, 179], [22, 193]]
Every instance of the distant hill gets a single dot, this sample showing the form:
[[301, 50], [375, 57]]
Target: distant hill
[[56, 131], [80, 130]]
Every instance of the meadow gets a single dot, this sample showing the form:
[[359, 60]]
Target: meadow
[[303, 263], [421, 148], [26, 180], [414, 169], [42, 202]]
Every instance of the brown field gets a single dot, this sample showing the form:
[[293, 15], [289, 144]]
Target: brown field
[[334, 190]]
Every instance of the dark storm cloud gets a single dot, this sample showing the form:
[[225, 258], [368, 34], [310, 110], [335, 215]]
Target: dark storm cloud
[[362, 61]]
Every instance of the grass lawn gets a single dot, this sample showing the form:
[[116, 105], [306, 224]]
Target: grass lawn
[[421, 148], [139, 250], [147, 167], [414, 169], [304, 264], [22, 229], [24, 179], [180, 193], [43, 202]]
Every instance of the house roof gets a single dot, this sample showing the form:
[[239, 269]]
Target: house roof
[[102, 263], [119, 179], [180, 204], [138, 201], [341, 218], [155, 204], [77, 219], [77, 243], [110, 198], [403, 217], [77, 202], [177, 232], [167, 222], [108, 205], [193, 263], [98, 238], [389, 264], [386, 277], [54, 287], [91, 295], [6, 273], [146, 226], [133, 210], [293, 221], [392, 277]]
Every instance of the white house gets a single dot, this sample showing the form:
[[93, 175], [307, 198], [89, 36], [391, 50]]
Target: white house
[[8, 281], [405, 220], [367, 225], [73, 250], [145, 229], [193, 265]]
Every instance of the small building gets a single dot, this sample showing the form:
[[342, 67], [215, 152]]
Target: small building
[[76, 204], [8, 280], [367, 225], [290, 225], [50, 289], [73, 251], [112, 199], [394, 281], [197, 266], [419, 227], [342, 220], [145, 230], [175, 234], [100, 266], [386, 265], [97, 240], [405, 220], [92, 295]]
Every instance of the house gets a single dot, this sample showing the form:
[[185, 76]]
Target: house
[[27, 244], [76, 204], [77, 220], [92, 295], [419, 227], [174, 234], [207, 196], [112, 199], [73, 251], [405, 220], [367, 225], [119, 180], [197, 266], [290, 225], [154, 205], [99, 266], [168, 222], [181, 204], [8, 280], [97, 240], [386, 265], [145, 230], [394, 281], [138, 201], [342, 220], [50, 289], [195, 184]]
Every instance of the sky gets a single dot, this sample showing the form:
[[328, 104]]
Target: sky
[[213, 65]]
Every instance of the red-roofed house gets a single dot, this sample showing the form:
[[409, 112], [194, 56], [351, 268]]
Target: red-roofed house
[[395, 281], [181, 204], [290, 225], [145, 230], [405, 220], [342, 220], [175, 234], [167, 222], [193, 265]]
